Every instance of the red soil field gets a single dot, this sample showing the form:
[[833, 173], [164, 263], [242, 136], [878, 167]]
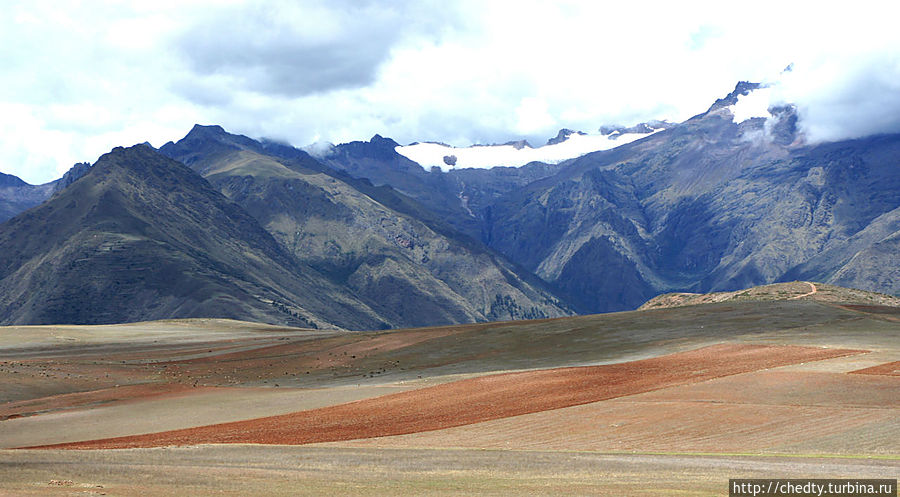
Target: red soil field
[[887, 369], [481, 399]]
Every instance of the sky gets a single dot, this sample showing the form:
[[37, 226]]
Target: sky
[[79, 78]]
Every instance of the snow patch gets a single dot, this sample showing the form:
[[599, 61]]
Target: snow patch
[[430, 155]]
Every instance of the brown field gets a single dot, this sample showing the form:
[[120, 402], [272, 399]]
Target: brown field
[[482, 399], [184, 409], [657, 402], [61, 402], [770, 412], [887, 369], [241, 470]]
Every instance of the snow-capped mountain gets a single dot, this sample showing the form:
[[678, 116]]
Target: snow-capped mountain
[[567, 145], [736, 196]]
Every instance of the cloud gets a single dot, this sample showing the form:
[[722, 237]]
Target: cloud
[[295, 49], [845, 97], [290, 49], [83, 79]]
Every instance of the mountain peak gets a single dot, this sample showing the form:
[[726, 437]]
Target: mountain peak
[[146, 163], [742, 88], [218, 134], [72, 175], [563, 135], [383, 142], [211, 129], [138, 150], [204, 139], [641, 128], [7, 180]]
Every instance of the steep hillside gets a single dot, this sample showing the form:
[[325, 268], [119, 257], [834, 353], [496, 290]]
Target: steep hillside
[[17, 196], [708, 205], [387, 249], [715, 203], [457, 196], [143, 237]]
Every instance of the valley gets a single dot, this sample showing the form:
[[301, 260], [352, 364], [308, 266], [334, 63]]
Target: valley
[[447, 248]]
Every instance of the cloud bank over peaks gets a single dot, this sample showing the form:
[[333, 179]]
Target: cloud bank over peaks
[[82, 78], [837, 99]]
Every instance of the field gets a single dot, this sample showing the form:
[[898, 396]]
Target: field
[[659, 402]]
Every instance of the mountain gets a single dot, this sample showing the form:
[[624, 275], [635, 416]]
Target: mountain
[[457, 184], [563, 135], [457, 196], [142, 237], [709, 205], [386, 248], [10, 181], [728, 199], [378, 161], [731, 198], [17, 196], [72, 175]]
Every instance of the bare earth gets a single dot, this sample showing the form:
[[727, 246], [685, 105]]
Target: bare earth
[[659, 402], [481, 399], [241, 470]]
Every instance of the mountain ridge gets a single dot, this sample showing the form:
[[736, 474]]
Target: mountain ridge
[[706, 204], [715, 203], [142, 237], [17, 196], [384, 246]]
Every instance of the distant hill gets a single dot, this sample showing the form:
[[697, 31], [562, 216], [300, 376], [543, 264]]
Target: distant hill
[[458, 197], [795, 290]]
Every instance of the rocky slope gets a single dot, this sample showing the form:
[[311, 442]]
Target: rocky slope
[[17, 196], [143, 237], [709, 204], [384, 247], [706, 205]]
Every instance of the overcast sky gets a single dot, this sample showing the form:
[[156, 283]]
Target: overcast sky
[[78, 78]]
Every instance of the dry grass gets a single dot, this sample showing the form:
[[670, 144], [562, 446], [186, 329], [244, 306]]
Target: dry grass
[[307, 471]]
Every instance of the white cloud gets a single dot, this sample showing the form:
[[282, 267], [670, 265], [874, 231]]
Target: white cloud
[[533, 116], [753, 104], [84, 78]]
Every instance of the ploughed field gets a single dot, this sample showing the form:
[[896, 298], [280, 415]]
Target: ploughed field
[[483, 398], [812, 384]]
